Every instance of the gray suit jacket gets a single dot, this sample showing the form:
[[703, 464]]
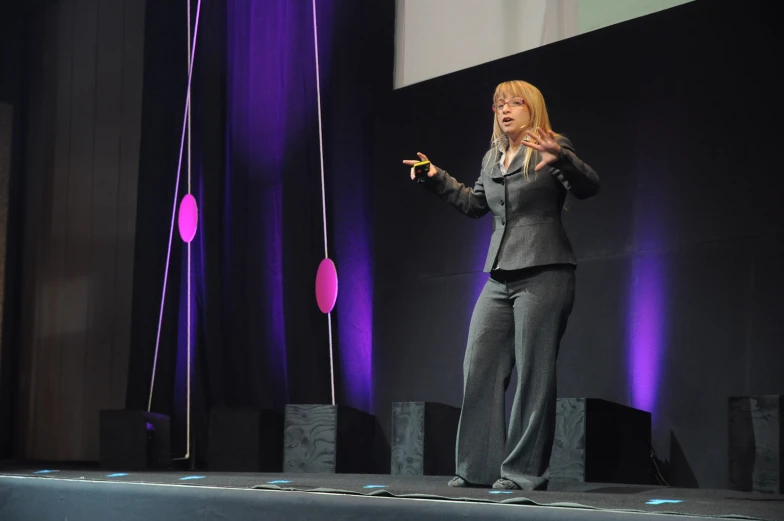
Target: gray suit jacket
[[527, 227]]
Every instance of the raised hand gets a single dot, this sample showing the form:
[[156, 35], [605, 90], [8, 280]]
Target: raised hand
[[422, 157], [545, 143]]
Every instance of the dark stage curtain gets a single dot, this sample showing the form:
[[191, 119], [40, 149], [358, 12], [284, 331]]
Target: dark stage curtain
[[15, 52], [258, 337]]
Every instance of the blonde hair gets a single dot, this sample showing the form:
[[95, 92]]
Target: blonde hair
[[537, 111]]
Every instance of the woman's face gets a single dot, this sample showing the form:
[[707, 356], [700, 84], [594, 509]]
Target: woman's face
[[511, 112]]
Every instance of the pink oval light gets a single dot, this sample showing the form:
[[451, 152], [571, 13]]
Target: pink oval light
[[188, 219], [326, 286]]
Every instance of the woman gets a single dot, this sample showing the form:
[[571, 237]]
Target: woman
[[521, 314]]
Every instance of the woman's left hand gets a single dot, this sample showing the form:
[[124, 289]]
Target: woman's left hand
[[545, 143]]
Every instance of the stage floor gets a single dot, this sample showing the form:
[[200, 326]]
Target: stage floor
[[60, 493]]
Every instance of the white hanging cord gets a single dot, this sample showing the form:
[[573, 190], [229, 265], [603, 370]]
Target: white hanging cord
[[323, 194], [188, 320], [185, 125]]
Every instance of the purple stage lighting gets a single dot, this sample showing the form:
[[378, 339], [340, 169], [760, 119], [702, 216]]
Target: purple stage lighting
[[646, 330]]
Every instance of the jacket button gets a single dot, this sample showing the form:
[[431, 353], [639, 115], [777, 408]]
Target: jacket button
[[503, 223], [502, 203]]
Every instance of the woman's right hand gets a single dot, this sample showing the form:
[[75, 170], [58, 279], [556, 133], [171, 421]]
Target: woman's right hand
[[422, 157]]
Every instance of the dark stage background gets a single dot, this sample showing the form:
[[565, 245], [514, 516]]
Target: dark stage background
[[72, 70], [11, 94], [679, 284], [260, 340]]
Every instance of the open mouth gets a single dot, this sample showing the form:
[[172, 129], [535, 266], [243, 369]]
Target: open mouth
[[507, 120]]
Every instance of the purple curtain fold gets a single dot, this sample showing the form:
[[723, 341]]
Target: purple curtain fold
[[258, 337]]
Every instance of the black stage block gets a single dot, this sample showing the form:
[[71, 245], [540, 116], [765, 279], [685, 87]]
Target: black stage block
[[327, 438], [134, 440], [756, 444], [601, 441], [245, 440], [423, 438]]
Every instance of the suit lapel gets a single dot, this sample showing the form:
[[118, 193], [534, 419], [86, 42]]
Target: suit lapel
[[494, 170], [515, 166], [517, 162]]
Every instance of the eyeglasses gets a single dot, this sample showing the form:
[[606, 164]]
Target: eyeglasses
[[514, 102]]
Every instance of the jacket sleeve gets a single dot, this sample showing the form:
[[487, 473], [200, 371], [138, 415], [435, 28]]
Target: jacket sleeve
[[470, 201], [576, 176]]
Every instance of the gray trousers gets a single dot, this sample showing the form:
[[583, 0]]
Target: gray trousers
[[518, 321]]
